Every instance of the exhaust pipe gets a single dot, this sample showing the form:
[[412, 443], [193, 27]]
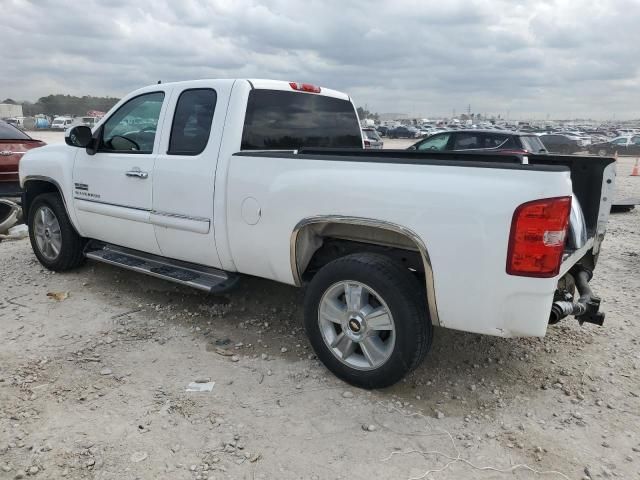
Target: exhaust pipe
[[586, 309]]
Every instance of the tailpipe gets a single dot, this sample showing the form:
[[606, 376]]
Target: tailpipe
[[586, 309]]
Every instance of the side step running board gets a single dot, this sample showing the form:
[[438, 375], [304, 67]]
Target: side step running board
[[203, 278]]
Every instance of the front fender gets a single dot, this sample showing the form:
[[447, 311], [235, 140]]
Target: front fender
[[52, 164]]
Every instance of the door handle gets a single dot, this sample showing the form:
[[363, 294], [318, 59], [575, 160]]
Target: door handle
[[136, 172]]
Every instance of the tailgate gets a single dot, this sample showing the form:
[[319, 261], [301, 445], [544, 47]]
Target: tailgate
[[593, 181]]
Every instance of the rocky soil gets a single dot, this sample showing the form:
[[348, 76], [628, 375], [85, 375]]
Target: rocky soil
[[93, 385]]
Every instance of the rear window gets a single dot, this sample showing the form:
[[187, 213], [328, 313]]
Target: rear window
[[370, 134], [281, 120], [532, 144], [9, 132]]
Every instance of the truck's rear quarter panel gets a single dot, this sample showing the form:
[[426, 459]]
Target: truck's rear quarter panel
[[462, 213]]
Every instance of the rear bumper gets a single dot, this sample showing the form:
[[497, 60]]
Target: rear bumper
[[10, 189]]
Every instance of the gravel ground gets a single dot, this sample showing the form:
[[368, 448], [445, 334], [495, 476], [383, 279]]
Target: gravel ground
[[93, 385]]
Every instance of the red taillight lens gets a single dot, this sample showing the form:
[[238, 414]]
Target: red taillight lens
[[367, 143], [305, 87], [538, 233]]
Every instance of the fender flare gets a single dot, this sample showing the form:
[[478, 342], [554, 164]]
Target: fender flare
[[379, 224]]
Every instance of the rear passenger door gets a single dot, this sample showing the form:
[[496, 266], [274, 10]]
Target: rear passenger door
[[184, 174]]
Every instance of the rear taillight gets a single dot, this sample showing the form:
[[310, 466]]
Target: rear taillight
[[367, 143], [304, 87], [536, 242]]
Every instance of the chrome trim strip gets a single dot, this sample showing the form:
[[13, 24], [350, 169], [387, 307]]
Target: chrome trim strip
[[91, 200], [369, 222], [179, 215]]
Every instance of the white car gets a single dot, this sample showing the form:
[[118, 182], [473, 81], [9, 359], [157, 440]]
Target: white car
[[199, 182], [61, 123]]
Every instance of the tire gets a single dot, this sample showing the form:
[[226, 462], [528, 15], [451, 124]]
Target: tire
[[388, 349], [602, 152], [48, 217]]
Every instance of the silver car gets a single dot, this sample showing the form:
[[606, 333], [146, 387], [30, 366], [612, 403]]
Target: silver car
[[371, 138]]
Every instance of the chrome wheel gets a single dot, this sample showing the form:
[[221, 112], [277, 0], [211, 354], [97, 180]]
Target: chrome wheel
[[356, 324], [47, 233]]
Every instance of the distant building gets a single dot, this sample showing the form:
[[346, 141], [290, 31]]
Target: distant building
[[8, 110], [393, 116]]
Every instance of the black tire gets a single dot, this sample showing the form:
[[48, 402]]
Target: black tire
[[602, 152], [404, 296], [71, 253]]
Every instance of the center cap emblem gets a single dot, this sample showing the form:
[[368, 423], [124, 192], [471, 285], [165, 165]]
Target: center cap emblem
[[354, 325]]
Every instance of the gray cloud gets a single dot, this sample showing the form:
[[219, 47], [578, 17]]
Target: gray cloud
[[531, 58]]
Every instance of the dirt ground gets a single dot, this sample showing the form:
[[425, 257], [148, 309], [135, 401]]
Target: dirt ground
[[92, 386]]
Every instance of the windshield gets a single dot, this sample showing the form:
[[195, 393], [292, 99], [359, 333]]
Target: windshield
[[9, 132], [533, 144]]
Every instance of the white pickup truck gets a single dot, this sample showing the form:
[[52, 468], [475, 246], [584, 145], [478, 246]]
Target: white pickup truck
[[199, 182]]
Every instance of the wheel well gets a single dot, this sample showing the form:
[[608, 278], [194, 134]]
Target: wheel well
[[316, 244], [33, 188], [318, 240]]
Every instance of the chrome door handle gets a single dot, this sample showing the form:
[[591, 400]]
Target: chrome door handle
[[136, 172]]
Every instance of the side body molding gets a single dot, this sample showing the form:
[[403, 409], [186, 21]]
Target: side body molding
[[380, 224]]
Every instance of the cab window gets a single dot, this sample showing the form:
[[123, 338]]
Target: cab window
[[132, 128], [437, 142], [192, 121]]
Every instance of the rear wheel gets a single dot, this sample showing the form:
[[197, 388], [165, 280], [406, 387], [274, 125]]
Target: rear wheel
[[55, 242], [366, 318]]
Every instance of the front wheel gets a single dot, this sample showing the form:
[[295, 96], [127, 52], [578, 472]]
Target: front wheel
[[602, 152], [54, 241], [366, 318]]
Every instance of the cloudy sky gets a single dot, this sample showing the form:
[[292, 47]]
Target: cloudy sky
[[525, 58]]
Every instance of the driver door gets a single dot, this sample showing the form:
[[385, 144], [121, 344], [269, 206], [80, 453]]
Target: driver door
[[112, 193]]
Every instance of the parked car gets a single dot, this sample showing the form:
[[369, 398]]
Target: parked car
[[556, 143], [627, 145], [582, 139], [472, 140], [382, 130], [13, 144], [402, 132], [383, 240], [88, 121], [371, 139], [61, 123]]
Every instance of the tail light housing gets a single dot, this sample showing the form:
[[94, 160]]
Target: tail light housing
[[367, 143], [537, 238], [304, 87]]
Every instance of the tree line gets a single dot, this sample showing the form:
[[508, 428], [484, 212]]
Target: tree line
[[65, 105]]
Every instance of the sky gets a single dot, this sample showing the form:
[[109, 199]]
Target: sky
[[515, 58]]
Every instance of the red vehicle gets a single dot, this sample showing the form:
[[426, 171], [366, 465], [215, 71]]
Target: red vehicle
[[13, 144]]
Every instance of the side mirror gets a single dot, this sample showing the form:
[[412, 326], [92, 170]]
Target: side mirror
[[412, 147], [79, 136]]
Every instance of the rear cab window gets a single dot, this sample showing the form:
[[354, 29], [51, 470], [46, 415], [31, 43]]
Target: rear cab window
[[282, 120]]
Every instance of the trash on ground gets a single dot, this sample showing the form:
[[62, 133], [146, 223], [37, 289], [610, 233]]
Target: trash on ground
[[10, 214], [59, 296], [200, 387]]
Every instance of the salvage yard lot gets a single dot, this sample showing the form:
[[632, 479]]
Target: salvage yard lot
[[93, 385]]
